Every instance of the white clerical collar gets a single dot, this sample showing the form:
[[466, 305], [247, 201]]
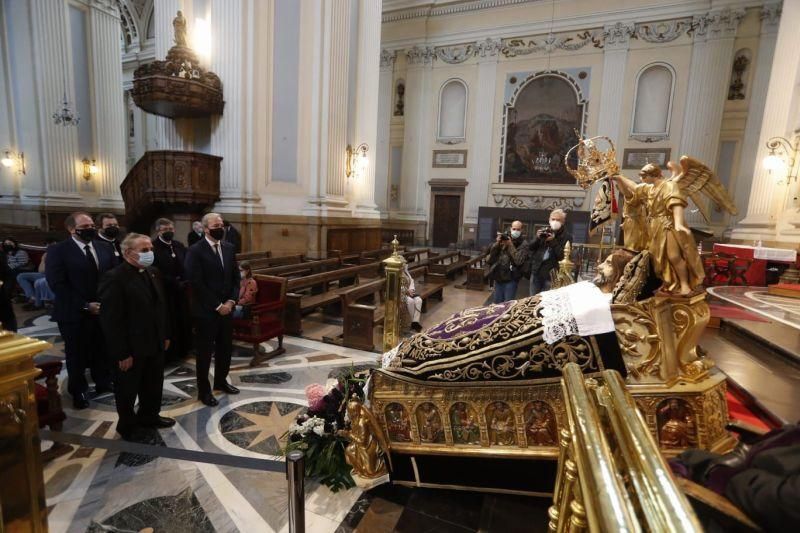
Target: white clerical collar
[[165, 242], [104, 237]]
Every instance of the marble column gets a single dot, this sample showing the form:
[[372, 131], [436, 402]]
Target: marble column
[[169, 133], [482, 108], [367, 78], [615, 58], [709, 75], [336, 76], [417, 133], [108, 108], [770, 16], [60, 165], [383, 148], [232, 27], [780, 119]]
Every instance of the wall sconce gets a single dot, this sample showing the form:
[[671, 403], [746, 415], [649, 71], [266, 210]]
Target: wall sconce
[[357, 160], [782, 157], [11, 159], [89, 169]]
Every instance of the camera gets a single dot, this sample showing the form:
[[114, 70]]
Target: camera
[[505, 236]]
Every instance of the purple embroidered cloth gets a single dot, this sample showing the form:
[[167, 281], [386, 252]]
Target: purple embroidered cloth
[[468, 321]]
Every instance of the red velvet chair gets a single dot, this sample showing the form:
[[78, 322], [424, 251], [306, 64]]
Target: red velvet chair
[[48, 403], [266, 318]]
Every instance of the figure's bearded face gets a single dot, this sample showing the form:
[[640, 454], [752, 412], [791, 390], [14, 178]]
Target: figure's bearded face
[[606, 273]]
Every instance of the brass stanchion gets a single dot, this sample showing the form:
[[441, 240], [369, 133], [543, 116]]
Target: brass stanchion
[[393, 268], [295, 473]]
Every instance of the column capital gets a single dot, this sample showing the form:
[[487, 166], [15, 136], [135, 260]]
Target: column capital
[[489, 48], [770, 15], [717, 24], [388, 57], [617, 36], [420, 55]]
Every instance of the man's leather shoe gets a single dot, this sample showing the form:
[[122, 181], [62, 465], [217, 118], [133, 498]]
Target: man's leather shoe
[[209, 399], [227, 387], [159, 422], [79, 401]]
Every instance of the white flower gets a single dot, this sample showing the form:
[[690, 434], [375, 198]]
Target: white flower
[[319, 430]]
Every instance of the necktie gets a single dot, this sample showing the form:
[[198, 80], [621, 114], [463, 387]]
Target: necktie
[[219, 254], [90, 257]]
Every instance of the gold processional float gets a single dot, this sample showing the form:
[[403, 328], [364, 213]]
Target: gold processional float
[[457, 407]]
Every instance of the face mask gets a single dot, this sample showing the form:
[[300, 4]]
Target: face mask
[[515, 233], [146, 258], [8, 247], [168, 235], [555, 224], [111, 232], [217, 233], [199, 231], [86, 234]]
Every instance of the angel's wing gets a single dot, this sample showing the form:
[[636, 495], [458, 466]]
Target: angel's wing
[[379, 434], [696, 178]]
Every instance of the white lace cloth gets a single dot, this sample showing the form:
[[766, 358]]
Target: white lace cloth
[[577, 309], [388, 357]]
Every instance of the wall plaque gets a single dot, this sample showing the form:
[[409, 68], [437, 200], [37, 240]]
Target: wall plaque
[[639, 157], [449, 159]]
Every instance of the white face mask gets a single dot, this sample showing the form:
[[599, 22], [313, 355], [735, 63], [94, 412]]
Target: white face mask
[[515, 233], [555, 224], [146, 258]]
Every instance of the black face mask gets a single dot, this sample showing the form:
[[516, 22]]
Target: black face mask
[[8, 247], [86, 234], [168, 235], [111, 232], [217, 233]]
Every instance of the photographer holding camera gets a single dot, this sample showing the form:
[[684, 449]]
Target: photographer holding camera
[[547, 249], [507, 256]]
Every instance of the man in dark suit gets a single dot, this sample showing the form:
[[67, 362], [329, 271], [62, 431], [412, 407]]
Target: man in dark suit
[[73, 269], [196, 234], [170, 256], [214, 280], [233, 236], [108, 231], [136, 327]]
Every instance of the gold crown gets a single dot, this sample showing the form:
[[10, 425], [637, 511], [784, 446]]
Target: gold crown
[[593, 164]]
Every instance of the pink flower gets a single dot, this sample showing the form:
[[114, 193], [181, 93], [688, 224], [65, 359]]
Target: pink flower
[[315, 394]]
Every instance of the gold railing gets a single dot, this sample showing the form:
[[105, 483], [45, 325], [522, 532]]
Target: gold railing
[[611, 476]]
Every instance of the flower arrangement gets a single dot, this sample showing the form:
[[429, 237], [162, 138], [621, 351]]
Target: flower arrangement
[[316, 432]]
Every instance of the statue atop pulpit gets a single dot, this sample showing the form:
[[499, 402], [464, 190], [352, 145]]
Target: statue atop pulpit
[[179, 27]]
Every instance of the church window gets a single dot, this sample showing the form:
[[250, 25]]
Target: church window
[[655, 85], [452, 125]]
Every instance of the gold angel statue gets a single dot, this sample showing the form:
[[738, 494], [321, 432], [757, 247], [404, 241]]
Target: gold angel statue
[[662, 230], [367, 442]]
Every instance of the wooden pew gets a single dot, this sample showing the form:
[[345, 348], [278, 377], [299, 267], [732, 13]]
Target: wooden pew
[[314, 267], [267, 262], [476, 272], [362, 310], [415, 256], [448, 265], [299, 298], [424, 287], [248, 256]]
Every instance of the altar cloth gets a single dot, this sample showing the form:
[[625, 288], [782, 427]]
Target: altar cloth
[[577, 309]]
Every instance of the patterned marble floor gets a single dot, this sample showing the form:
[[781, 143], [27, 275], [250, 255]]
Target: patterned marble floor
[[91, 489]]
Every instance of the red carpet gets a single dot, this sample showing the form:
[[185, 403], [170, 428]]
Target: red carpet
[[738, 411], [729, 311]]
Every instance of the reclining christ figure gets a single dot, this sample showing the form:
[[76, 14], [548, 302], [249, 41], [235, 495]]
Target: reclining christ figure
[[529, 339]]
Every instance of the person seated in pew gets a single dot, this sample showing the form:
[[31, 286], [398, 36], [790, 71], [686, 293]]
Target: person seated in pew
[[526, 339], [248, 289], [411, 300]]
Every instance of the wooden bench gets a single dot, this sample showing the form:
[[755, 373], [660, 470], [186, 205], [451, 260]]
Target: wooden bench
[[448, 265], [415, 256], [476, 272], [267, 262], [374, 255], [314, 267], [362, 310], [424, 287], [249, 256], [300, 298]]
